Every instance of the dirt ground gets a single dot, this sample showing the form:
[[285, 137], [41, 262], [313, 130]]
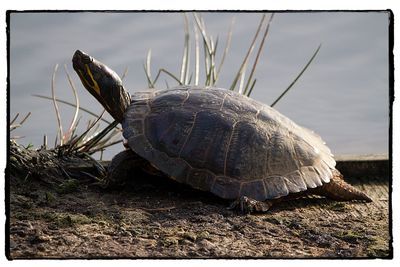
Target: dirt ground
[[155, 218]]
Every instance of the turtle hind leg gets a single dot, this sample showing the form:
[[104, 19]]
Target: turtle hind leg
[[248, 205], [338, 189]]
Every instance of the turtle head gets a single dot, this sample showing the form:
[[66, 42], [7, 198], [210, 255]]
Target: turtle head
[[103, 83]]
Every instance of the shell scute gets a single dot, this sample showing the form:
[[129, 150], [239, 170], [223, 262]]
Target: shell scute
[[133, 128], [226, 188], [241, 107], [310, 176], [246, 140], [275, 187], [168, 131], [136, 111], [255, 189], [202, 98], [168, 99], [207, 143], [200, 179], [281, 155], [295, 182]]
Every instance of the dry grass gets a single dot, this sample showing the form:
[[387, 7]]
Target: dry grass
[[93, 140]]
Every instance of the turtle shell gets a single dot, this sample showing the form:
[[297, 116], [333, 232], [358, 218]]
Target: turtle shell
[[223, 142]]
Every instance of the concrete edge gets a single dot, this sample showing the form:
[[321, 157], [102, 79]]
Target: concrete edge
[[375, 166]]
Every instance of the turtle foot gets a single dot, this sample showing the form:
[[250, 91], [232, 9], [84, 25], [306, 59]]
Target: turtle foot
[[123, 168], [248, 205]]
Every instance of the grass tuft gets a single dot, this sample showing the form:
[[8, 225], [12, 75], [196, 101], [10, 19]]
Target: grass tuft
[[93, 140]]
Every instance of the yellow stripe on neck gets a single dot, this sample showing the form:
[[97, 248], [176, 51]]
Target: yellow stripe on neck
[[96, 87]]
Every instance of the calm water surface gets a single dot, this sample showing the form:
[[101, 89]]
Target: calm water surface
[[343, 96]]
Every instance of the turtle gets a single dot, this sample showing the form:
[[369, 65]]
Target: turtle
[[215, 140]]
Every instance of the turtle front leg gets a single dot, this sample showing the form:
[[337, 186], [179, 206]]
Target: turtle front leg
[[248, 205], [122, 167]]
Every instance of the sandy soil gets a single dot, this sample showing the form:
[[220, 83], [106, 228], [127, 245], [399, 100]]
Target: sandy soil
[[56, 217]]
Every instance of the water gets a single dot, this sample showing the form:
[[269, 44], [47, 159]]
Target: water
[[343, 96]]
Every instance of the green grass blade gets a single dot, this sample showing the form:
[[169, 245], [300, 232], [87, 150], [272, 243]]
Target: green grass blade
[[124, 74], [92, 142], [244, 63], [100, 148], [53, 85], [162, 70], [251, 87], [74, 144], [72, 105], [147, 70], [298, 76], [206, 64], [241, 81], [213, 70], [15, 118], [200, 24], [25, 118], [76, 127], [249, 80], [17, 125], [212, 61], [186, 50], [197, 58], [75, 117], [226, 49], [208, 50]]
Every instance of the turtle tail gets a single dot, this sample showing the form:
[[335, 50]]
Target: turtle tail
[[338, 189]]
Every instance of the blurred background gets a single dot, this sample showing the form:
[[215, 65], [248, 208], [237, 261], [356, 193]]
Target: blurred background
[[343, 96]]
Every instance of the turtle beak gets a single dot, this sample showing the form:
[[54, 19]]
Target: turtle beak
[[79, 59]]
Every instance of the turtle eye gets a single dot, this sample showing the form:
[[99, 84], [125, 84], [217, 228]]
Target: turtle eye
[[87, 59]]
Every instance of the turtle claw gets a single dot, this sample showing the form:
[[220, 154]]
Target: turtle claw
[[248, 205]]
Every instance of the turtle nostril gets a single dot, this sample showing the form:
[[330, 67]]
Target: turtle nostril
[[82, 57], [86, 59]]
